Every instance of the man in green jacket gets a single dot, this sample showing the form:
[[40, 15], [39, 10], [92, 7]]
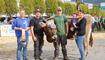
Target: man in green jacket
[[62, 30]]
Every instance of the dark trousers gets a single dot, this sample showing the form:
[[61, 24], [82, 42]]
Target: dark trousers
[[63, 41], [93, 26], [38, 45]]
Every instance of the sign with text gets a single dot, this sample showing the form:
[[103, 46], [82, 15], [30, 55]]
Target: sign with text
[[6, 30]]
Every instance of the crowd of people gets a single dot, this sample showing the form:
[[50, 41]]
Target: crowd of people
[[98, 22]]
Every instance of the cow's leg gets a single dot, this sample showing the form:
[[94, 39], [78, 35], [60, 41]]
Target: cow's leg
[[86, 41], [86, 47], [91, 40]]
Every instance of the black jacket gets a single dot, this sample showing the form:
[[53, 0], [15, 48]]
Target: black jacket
[[81, 30]]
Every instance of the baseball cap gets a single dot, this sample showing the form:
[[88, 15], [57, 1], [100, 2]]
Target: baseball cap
[[37, 10], [59, 8]]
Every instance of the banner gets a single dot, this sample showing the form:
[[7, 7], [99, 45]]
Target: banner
[[6, 30]]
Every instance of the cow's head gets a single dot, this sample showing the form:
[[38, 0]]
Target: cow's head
[[50, 30]]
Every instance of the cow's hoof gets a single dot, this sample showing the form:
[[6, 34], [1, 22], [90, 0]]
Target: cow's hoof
[[55, 58], [66, 58]]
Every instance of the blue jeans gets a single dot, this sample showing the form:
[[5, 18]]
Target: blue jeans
[[19, 48], [79, 42]]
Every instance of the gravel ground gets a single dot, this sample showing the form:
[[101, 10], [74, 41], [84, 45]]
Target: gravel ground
[[97, 52]]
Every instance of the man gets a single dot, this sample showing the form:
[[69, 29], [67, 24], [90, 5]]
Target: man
[[93, 22], [96, 23], [62, 30], [37, 35], [21, 25]]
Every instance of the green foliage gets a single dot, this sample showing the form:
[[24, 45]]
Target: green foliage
[[40, 4], [78, 2], [84, 8], [52, 6], [2, 6], [95, 11], [102, 13], [74, 8], [61, 4], [11, 7], [27, 5], [69, 8]]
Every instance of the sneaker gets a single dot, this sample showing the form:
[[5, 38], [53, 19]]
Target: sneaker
[[66, 58]]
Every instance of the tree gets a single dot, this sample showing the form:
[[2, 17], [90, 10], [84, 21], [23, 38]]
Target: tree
[[61, 4], [102, 13], [11, 7], [95, 11], [2, 6], [73, 8], [68, 8], [84, 8], [52, 6], [40, 4], [27, 5]]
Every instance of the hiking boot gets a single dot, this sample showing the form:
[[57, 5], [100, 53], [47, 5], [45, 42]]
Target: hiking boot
[[66, 58]]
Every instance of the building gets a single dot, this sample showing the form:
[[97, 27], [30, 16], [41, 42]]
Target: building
[[90, 5], [102, 6]]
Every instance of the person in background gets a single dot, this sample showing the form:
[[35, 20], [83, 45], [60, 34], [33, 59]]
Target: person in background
[[21, 25], [96, 23], [11, 21], [62, 30], [37, 34], [6, 20], [100, 23], [104, 23], [93, 22], [74, 20]]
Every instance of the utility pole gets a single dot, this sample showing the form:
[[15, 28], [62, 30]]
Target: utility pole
[[82, 1], [18, 2]]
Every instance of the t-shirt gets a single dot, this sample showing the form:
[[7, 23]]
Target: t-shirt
[[10, 22], [74, 20], [96, 20], [21, 23], [36, 23], [60, 24]]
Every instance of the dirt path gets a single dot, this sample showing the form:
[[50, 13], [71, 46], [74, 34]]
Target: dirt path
[[97, 52]]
